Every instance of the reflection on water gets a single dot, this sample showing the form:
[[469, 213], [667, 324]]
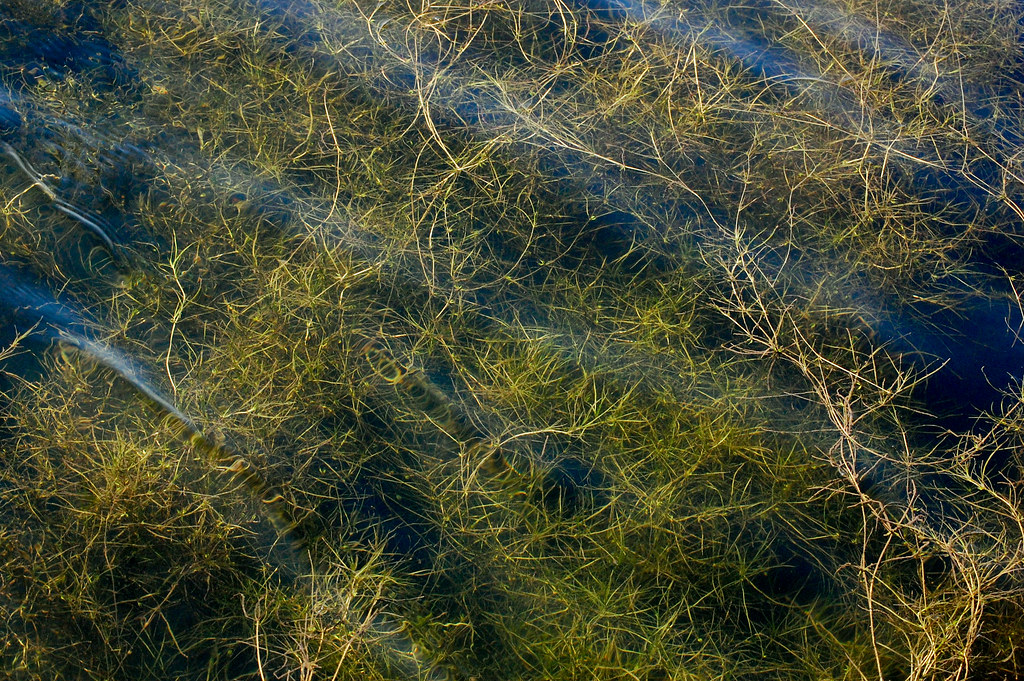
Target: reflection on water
[[588, 339], [30, 308]]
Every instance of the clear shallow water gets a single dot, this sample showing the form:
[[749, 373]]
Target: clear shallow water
[[526, 341]]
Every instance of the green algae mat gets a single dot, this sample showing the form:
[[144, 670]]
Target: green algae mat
[[473, 340]]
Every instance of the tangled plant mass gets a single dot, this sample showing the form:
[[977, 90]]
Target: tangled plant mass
[[571, 339]]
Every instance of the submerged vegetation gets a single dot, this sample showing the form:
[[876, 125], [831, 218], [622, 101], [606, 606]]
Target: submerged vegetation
[[578, 339]]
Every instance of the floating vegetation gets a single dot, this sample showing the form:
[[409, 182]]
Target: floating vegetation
[[529, 340], [90, 222]]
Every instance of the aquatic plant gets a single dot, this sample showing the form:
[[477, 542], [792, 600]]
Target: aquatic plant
[[559, 340]]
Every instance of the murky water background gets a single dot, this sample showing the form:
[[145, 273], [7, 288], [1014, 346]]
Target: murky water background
[[510, 340]]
